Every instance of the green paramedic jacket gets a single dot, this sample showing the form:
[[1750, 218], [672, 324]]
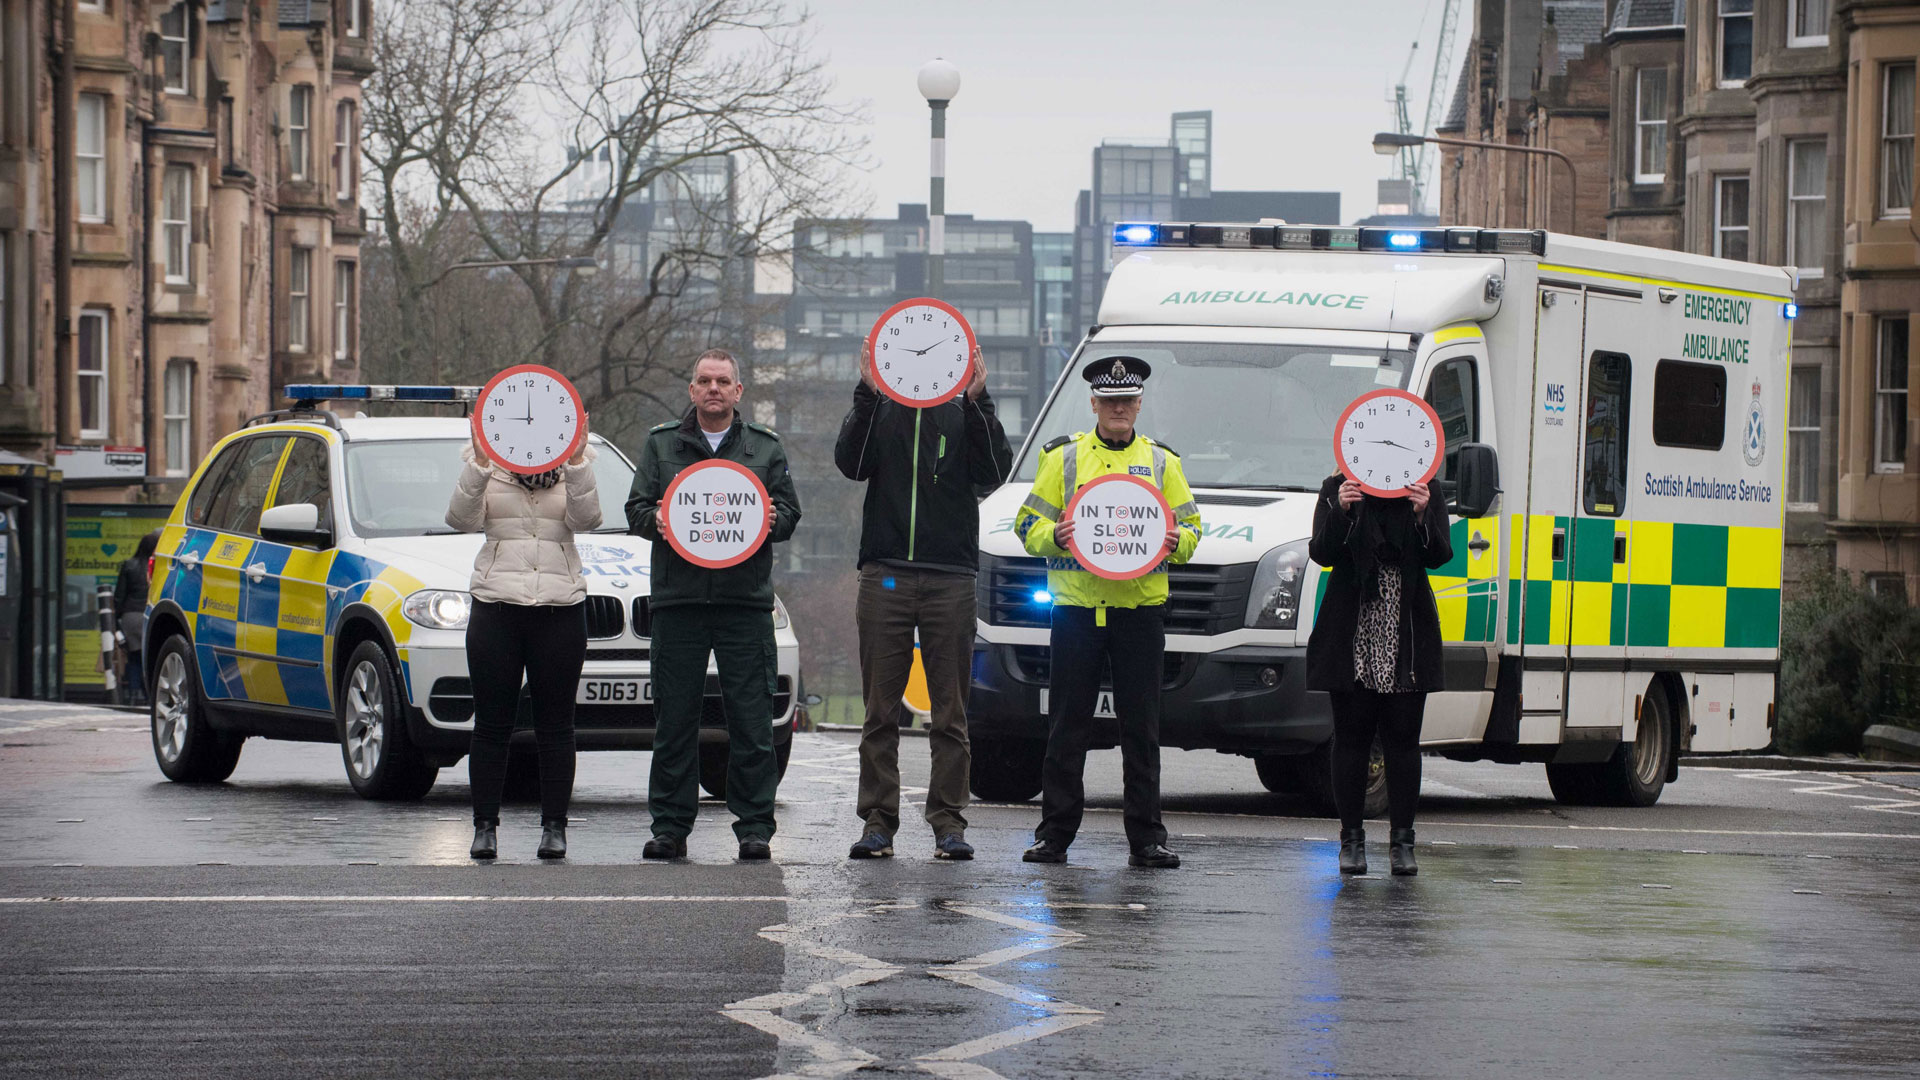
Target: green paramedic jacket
[[671, 447], [1067, 463]]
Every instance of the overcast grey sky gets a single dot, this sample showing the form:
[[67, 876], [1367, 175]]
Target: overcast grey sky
[[1297, 87]]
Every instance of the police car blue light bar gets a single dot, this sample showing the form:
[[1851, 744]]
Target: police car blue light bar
[[363, 392], [1268, 236], [1042, 596]]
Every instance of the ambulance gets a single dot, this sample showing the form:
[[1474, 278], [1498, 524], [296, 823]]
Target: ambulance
[[1615, 464], [307, 587]]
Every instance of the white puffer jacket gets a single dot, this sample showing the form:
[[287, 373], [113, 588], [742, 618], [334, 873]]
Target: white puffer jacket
[[529, 557]]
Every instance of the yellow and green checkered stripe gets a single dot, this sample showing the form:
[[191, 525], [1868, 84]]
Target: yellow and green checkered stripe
[[1466, 589], [1683, 585]]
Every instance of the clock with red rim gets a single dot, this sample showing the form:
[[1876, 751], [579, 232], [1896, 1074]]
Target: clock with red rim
[[922, 352], [1388, 440], [529, 420]]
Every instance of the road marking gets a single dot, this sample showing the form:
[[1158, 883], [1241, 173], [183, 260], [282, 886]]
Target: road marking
[[344, 898], [1840, 786], [1681, 832], [832, 1058]]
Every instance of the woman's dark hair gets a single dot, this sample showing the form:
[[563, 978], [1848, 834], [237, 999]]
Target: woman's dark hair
[[144, 549]]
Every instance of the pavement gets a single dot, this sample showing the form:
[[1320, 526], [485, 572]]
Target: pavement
[[1754, 923]]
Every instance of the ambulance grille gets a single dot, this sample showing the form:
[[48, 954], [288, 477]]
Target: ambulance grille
[[1202, 600]]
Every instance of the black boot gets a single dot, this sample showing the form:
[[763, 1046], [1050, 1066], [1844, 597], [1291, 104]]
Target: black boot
[[484, 844], [1353, 851], [1400, 853], [553, 841]]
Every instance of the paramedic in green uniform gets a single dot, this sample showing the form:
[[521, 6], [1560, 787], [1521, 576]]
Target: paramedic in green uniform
[[1098, 622], [727, 613]]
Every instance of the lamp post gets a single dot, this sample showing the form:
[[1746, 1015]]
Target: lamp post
[[939, 83], [1388, 143]]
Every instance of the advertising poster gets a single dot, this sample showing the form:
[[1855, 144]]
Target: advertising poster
[[99, 539]]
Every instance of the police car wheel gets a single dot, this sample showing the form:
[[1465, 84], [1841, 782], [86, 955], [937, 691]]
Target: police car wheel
[[381, 761], [186, 748], [713, 766]]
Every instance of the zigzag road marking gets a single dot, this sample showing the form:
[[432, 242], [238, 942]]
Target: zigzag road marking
[[831, 1058], [1839, 786]]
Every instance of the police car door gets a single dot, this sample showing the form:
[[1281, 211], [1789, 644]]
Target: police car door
[[286, 587], [229, 652]]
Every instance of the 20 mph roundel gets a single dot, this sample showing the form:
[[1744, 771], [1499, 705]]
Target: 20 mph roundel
[[716, 514], [1388, 440], [1120, 525]]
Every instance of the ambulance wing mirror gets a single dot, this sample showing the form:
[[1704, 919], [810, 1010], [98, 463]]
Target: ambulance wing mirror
[[295, 523], [1476, 480]]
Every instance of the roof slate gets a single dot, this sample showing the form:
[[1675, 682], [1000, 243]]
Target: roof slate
[[1649, 14]]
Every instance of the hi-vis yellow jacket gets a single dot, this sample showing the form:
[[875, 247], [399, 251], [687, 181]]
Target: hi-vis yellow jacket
[[1065, 464]]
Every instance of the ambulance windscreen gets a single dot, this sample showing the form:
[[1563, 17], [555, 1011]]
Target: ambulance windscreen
[[400, 487], [1256, 416]]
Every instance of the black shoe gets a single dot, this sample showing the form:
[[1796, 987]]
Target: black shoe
[[1046, 851], [1154, 855], [874, 845], [952, 846], [553, 841], [1400, 853], [755, 850], [1353, 851], [485, 845], [665, 847]]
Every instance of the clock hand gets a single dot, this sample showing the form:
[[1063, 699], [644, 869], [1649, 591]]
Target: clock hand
[[925, 351], [1390, 442]]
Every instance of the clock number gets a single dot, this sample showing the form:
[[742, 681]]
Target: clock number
[[496, 436], [1359, 424], [893, 330], [884, 346], [1349, 440], [888, 366], [566, 419], [916, 388], [489, 418], [956, 339]]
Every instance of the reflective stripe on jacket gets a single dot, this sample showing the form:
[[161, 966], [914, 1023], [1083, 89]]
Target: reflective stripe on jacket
[[1063, 468]]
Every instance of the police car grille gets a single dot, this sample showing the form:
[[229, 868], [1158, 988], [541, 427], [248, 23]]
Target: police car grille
[[605, 617], [642, 617], [1201, 600]]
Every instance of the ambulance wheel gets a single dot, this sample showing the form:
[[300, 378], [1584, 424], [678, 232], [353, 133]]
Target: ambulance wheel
[[1006, 770], [382, 762], [1312, 776], [186, 748], [1637, 772], [713, 766]]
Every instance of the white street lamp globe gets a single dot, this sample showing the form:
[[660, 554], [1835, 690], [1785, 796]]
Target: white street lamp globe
[[939, 80]]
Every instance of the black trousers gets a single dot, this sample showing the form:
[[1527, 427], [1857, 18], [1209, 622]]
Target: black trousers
[[1133, 642], [546, 645], [1358, 715]]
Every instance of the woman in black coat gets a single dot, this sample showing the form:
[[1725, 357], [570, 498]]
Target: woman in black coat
[[130, 613], [1376, 648]]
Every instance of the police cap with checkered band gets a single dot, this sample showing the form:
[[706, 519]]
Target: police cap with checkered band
[[1117, 376]]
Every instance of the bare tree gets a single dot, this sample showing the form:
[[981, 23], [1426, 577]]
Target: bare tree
[[516, 130]]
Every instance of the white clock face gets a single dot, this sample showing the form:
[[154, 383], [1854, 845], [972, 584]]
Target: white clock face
[[922, 352], [528, 418], [1387, 440]]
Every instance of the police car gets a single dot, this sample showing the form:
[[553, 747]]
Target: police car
[[307, 587]]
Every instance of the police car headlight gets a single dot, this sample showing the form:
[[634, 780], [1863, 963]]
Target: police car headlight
[[1277, 586], [439, 609], [780, 619]]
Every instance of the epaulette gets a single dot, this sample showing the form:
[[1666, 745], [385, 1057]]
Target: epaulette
[[668, 426], [763, 429], [1165, 447], [1056, 443]]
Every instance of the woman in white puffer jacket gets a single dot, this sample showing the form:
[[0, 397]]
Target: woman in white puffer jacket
[[529, 618]]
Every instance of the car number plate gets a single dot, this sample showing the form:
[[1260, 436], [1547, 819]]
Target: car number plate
[[1102, 705], [615, 692]]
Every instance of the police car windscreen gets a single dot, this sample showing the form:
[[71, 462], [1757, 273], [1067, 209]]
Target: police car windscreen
[[1238, 415], [401, 487]]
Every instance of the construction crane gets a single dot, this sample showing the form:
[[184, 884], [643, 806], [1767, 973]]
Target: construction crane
[[1415, 163]]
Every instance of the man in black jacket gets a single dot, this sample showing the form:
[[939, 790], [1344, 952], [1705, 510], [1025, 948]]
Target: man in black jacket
[[698, 611], [925, 470]]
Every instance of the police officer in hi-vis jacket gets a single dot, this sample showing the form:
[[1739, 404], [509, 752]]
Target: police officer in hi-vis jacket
[[1099, 622]]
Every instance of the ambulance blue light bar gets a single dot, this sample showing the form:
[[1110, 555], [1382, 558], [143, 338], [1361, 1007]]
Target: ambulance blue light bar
[[1792, 310], [1467, 241], [362, 392]]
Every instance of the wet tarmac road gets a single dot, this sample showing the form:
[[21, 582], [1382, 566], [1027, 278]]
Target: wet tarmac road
[[1753, 924]]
